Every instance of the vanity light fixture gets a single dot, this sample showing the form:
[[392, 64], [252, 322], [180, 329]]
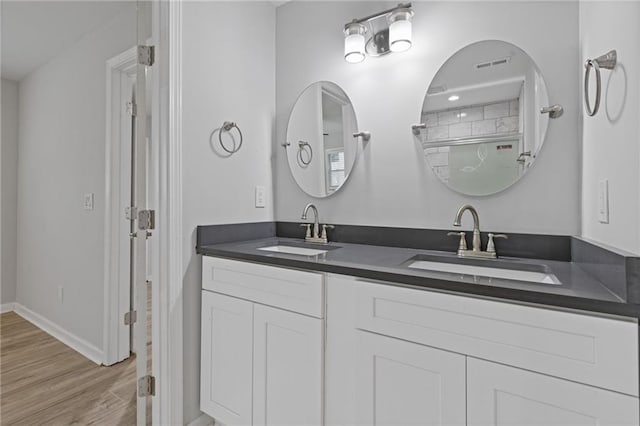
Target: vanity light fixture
[[400, 29], [378, 34], [354, 42]]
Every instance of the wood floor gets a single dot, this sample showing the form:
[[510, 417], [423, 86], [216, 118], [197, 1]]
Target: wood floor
[[42, 381]]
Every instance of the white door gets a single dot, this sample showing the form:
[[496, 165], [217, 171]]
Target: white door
[[506, 396], [402, 383], [226, 358], [287, 368], [142, 232]]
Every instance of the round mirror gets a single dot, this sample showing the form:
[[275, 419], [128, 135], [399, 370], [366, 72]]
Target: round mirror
[[321, 149], [482, 126]]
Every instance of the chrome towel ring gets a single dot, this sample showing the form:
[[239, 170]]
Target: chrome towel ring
[[607, 61], [227, 126], [304, 148]]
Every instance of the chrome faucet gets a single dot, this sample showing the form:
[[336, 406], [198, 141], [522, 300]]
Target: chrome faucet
[[315, 236], [316, 224], [476, 247], [476, 224]]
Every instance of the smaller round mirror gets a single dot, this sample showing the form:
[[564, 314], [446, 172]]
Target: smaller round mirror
[[321, 149], [482, 120]]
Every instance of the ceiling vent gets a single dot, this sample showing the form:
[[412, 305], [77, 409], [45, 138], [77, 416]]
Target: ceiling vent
[[493, 63]]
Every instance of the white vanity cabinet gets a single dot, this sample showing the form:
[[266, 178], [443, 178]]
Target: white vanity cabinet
[[403, 383], [505, 396], [432, 358], [290, 347], [262, 344]]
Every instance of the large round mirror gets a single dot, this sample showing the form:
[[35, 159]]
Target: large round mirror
[[482, 125], [321, 149]]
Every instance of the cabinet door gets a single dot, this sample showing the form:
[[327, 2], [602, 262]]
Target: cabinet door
[[402, 383], [287, 368], [506, 396], [226, 358]]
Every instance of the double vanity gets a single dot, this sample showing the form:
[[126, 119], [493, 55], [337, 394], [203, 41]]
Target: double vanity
[[364, 331]]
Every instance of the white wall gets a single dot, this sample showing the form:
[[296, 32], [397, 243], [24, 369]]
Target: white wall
[[62, 157], [9, 190], [391, 184], [611, 139], [228, 75]]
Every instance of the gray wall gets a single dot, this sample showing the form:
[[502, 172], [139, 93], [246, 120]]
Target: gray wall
[[62, 157], [611, 139], [228, 75], [9, 190], [391, 184]]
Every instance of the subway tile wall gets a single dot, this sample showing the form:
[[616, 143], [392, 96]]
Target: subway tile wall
[[477, 120]]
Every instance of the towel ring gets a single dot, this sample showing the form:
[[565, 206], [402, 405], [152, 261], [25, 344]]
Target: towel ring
[[304, 147], [227, 126], [607, 61]]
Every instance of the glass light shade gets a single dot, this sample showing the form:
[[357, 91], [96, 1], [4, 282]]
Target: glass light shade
[[400, 31], [354, 43], [354, 48]]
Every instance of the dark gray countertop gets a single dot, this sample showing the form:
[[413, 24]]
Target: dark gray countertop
[[578, 290]]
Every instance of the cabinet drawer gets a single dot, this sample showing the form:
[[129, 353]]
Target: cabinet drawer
[[594, 350], [290, 289]]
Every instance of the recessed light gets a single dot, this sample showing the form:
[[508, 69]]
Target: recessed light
[[453, 98]]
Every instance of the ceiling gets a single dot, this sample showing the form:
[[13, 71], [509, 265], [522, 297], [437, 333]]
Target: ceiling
[[34, 32]]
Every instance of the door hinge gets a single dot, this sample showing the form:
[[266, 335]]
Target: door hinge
[[132, 109], [130, 212], [146, 55], [130, 317], [146, 219], [146, 386]]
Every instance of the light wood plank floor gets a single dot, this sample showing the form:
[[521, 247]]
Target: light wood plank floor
[[42, 381]]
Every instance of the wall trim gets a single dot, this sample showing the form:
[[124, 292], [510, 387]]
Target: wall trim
[[7, 307], [203, 420], [74, 342]]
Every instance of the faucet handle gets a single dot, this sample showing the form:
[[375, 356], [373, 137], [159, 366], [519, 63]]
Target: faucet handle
[[324, 230], [308, 234], [491, 248], [463, 241]]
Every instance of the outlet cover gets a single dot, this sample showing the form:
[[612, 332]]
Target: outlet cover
[[603, 201], [88, 201], [260, 197]]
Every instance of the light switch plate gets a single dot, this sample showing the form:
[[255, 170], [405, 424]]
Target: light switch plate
[[603, 201], [88, 201], [260, 197]]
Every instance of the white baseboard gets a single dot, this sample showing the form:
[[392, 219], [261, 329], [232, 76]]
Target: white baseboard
[[203, 420], [74, 342], [7, 307]]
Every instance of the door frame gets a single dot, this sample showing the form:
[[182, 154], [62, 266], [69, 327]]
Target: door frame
[[167, 243], [114, 331]]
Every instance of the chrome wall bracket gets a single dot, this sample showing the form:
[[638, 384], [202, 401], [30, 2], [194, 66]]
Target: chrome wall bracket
[[554, 111], [364, 135]]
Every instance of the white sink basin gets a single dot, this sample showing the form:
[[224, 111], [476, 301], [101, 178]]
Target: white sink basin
[[486, 271], [302, 251]]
